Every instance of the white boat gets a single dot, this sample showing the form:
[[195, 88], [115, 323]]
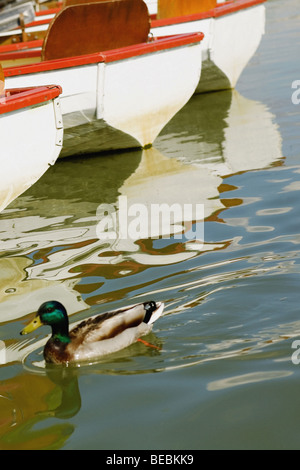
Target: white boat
[[232, 33], [152, 6], [113, 97], [31, 135], [12, 15], [33, 30]]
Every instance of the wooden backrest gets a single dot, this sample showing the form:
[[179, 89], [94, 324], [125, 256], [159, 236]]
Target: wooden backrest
[[2, 80], [94, 27], [173, 8]]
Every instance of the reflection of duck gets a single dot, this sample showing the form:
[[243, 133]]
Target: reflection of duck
[[25, 401], [67, 381], [95, 337]]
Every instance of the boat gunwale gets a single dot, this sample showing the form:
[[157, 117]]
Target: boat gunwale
[[15, 99], [49, 11], [220, 10], [155, 45], [20, 55], [231, 6], [20, 46]]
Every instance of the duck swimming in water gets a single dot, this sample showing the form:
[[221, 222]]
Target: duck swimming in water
[[95, 337]]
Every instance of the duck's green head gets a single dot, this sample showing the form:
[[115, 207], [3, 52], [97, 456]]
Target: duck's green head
[[53, 314]]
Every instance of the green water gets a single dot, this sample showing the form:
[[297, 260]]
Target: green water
[[222, 374]]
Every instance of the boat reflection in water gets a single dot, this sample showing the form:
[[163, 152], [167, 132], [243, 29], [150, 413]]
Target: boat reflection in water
[[59, 254]]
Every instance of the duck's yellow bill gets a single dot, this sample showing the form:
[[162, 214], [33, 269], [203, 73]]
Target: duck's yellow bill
[[32, 326]]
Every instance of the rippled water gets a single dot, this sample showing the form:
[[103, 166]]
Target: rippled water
[[221, 375]]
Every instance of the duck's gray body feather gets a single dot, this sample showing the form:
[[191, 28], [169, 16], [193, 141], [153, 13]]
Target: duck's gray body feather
[[107, 333]]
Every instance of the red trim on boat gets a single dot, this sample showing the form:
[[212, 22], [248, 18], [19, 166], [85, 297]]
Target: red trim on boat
[[50, 11], [220, 10], [230, 6], [33, 24], [158, 44], [21, 46], [20, 55], [38, 22], [19, 98], [233, 6]]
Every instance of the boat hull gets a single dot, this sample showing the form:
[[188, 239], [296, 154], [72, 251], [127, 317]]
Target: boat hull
[[123, 98], [232, 34], [31, 139]]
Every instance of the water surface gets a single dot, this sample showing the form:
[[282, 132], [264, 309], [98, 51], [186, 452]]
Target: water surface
[[221, 374]]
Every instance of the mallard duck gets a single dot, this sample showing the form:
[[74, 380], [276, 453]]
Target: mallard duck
[[95, 337]]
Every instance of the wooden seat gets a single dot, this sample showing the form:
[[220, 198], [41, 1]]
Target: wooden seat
[[173, 8], [94, 27], [2, 80]]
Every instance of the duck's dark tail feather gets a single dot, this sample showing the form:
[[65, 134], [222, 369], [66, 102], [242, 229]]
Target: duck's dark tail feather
[[153, 311]]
